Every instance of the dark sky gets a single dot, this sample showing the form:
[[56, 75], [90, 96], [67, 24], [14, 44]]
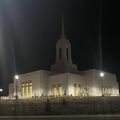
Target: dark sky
[[29, 30]]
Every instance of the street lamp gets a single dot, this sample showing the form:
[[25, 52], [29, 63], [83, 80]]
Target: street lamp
[[1, 90], [102, 75], [16, 77]]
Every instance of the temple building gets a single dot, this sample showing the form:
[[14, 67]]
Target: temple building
[[64, 78]]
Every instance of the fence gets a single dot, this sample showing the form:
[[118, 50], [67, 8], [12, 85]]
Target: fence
[[60, 106]]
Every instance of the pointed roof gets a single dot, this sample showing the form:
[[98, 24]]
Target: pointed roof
[[62, 28], [63, 39]]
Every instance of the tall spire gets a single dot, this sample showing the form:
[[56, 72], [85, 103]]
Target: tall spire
[[63, 61], [62, 28]]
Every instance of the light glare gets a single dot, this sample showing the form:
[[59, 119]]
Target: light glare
[[1, 90], [101, 74], [16, 77]]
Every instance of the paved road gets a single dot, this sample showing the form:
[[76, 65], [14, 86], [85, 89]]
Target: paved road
[[76, 117]]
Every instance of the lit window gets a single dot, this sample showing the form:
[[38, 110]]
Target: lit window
[[30, 88], [30, 83], [60, 90], [54, 90], [26, 89]]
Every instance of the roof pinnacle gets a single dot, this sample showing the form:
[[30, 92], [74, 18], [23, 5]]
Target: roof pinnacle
[[62, 28]]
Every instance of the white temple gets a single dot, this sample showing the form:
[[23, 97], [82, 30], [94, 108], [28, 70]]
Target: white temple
[[64, 78]]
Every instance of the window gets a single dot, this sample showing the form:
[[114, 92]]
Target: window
[[106, 90], [74, 89], [23, 89], [54, 90], [30, 88], [79, 88], [60, 90], [60, 53], [67, 54], [26, 89]]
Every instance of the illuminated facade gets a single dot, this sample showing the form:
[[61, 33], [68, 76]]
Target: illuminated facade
[[26, 89], [64, 78]]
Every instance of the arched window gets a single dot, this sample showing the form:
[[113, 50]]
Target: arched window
[[67, 54], [60, 53], [23, 89], [60, 89], [26, 89], [54, 90], [75, 90], [106, 90], [30, 88], [79, 89]]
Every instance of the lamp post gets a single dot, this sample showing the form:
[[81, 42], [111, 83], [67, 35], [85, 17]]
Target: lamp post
[[102, 75], [1, 90], [16, 78], [16, 86]]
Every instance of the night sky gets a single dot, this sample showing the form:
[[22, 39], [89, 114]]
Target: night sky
[[29, 30]]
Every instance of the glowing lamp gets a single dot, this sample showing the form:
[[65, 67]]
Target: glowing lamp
[[102, 74], [1, 90], [16, 77]]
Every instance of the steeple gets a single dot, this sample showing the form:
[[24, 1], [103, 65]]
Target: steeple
[[63, 61], [62, 28]]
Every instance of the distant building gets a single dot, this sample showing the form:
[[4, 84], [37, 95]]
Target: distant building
[[64, 78]]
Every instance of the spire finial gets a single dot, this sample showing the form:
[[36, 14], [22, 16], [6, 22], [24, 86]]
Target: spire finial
[[62, 28]]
